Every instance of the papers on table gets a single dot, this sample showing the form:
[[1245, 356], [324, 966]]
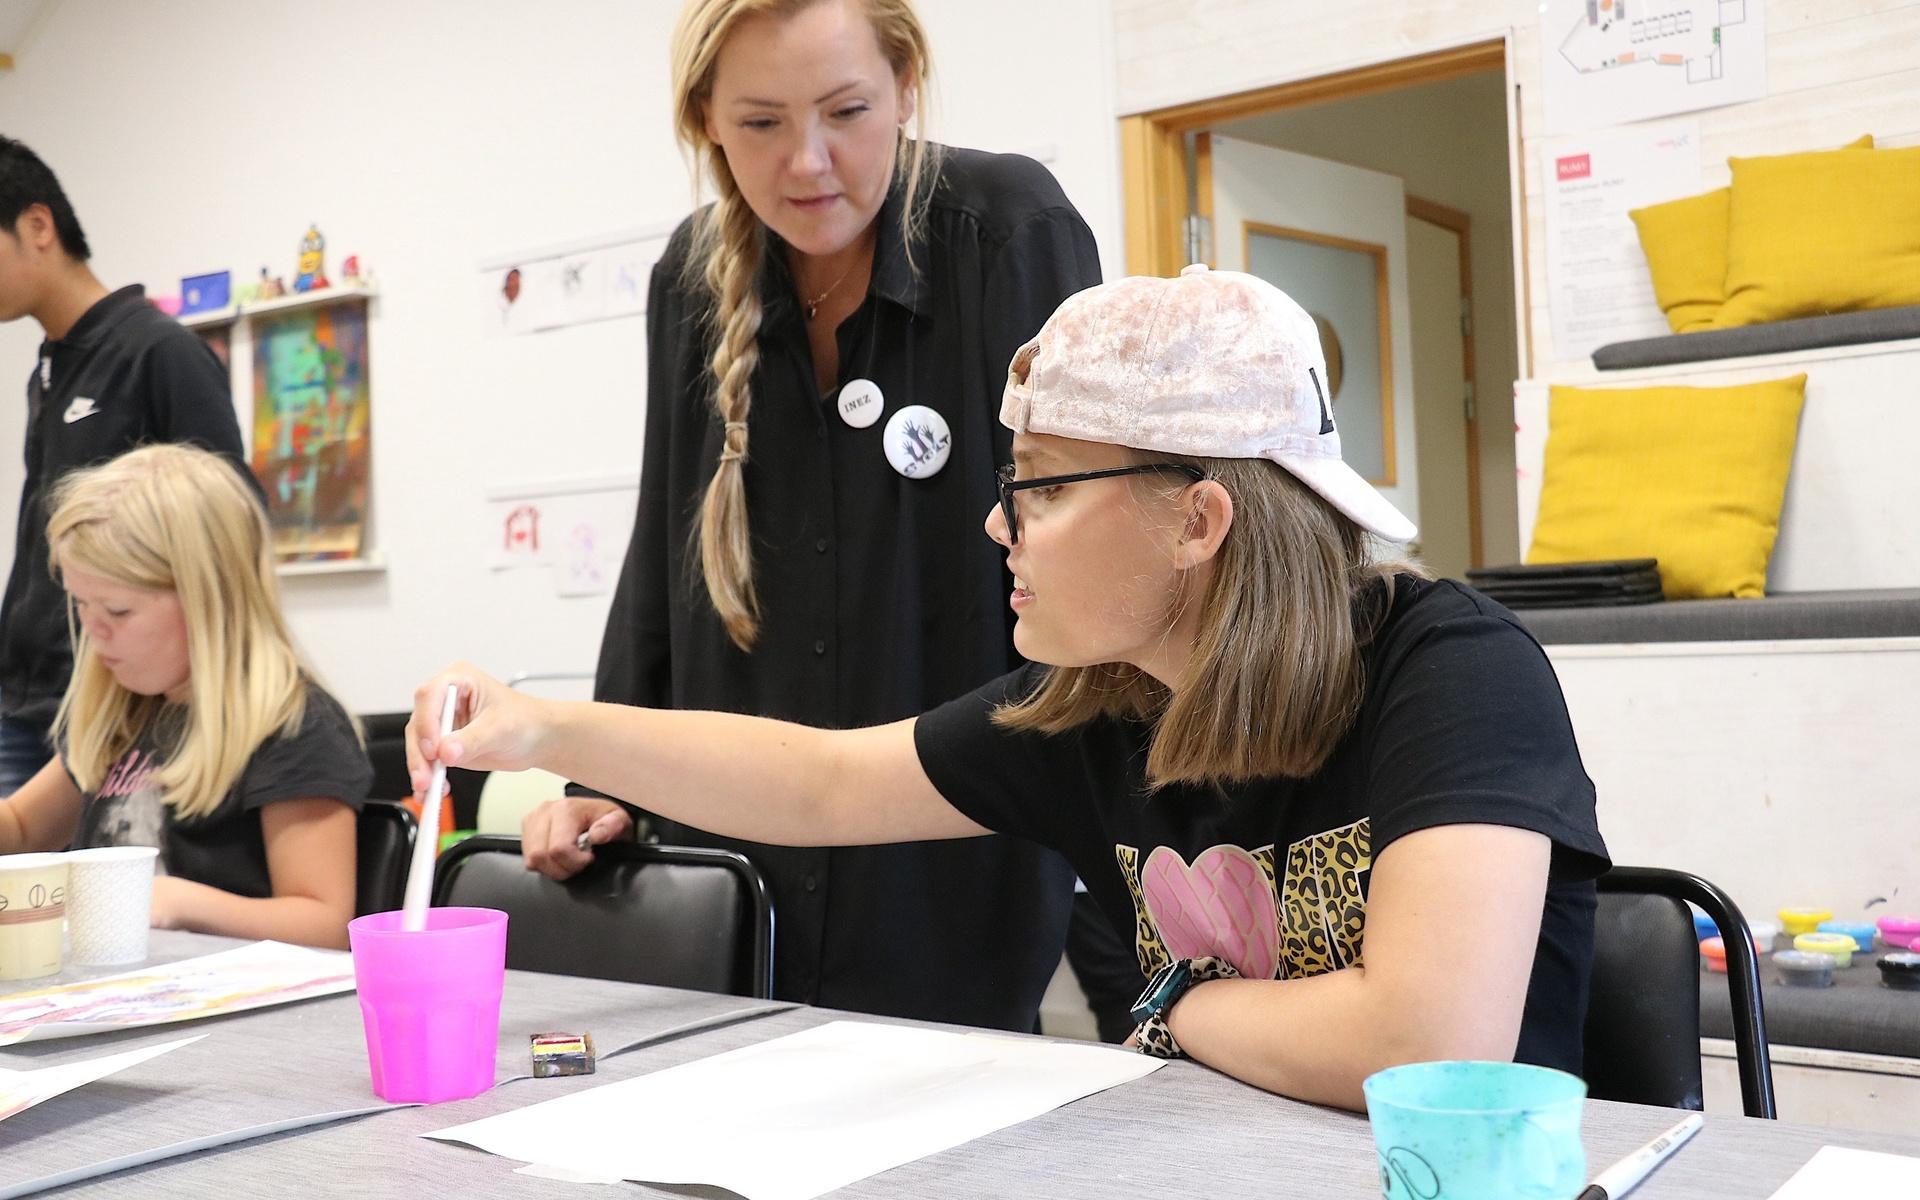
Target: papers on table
[[212, 985], [1838, 1172], [800, 1115], [21, 1090]]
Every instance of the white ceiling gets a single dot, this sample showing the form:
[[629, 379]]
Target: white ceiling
[[17, 19]]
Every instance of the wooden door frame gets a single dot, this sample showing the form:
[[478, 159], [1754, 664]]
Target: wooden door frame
[[1455, 221], [1155, 178]]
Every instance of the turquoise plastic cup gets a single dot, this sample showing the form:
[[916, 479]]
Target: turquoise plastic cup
[[1473, 1130], [430, 1001]]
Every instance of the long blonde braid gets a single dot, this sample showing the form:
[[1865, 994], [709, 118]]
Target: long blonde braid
[[728, 242]]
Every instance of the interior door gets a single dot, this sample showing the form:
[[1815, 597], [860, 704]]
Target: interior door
[[1440, 397], [1334, 238]]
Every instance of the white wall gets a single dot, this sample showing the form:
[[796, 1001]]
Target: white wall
[[197, 135]]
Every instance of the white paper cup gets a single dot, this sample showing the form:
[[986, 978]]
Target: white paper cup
[[33, 901], [110, 903]]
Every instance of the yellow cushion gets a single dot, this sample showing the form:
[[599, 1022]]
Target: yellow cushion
[[1691, 476], [1820, 233], [1685, 242], [1686, 245]]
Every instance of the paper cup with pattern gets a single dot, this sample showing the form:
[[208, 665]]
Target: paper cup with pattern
[[110, 903], [33, 903]]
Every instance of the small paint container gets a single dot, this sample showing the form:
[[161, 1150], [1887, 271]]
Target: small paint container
[[1713, 952], [1860, 931], [1838, 946], [1901, 970], [1798, 968], [1900, 930], [1703, 927], [1765, 933], [1797, 921]]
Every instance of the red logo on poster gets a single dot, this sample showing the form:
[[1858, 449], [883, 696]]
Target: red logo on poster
[[1574, 166]]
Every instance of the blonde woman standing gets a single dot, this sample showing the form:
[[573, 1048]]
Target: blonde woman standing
[[191, 723], [826, 348]]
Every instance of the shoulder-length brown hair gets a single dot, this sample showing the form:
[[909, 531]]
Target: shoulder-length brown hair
[[1276, 674]]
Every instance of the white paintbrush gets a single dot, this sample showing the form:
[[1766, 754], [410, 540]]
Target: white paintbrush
[[426, 840]]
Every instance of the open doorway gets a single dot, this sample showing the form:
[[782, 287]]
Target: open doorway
[[1404, 164]]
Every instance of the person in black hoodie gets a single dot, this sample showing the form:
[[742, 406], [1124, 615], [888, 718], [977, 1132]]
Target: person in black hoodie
[[113, 373]]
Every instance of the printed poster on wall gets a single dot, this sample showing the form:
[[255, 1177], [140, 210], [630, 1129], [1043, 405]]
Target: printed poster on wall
[[1611, 62], [311, 443], [1598, 288]]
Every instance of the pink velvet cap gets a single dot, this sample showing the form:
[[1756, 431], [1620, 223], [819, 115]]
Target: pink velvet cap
[[1215, 364]]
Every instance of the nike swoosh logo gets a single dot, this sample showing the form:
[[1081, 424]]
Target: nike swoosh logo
[[79, 410]]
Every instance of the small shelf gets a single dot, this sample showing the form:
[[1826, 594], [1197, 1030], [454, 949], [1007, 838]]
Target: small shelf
[[367, 564], [329, 295], [212, 316]]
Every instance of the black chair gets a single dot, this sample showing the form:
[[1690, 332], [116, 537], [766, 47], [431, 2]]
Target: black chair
[[385, 845], [669, 915], [387, 750], [1642, 1038]]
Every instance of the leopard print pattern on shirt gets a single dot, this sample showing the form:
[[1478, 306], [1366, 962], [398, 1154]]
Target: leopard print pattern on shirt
[[1323, 911], [1147, 946]]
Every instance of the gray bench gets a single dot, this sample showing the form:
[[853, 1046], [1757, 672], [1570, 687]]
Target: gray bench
[[1774, 337], [1785, 617]]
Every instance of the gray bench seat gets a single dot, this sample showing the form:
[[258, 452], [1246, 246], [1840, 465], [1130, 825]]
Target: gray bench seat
[[1788, 616], [1856, 1013], [1773, 337]]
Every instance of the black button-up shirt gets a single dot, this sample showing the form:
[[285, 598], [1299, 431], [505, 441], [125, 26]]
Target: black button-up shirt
[[881, 595]]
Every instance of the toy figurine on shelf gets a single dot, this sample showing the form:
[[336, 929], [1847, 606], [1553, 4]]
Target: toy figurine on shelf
[[353, 274], [313, 272], [269, 287]]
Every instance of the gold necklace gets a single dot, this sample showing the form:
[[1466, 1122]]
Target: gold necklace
[[813, 306]]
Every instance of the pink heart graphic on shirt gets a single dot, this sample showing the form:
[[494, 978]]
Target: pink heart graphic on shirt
[[1221, 905]]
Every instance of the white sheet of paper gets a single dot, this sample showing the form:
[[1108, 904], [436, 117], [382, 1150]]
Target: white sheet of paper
[[1598, 287], [791, 1118], [1836, 1171], [21, 1090], [212, 985]]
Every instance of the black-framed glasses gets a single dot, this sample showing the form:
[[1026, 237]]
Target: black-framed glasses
[[1009, 485]]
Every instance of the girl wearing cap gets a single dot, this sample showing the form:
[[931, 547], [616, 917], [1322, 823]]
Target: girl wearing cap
[[1339, 803], [826, 345], [191, 723]]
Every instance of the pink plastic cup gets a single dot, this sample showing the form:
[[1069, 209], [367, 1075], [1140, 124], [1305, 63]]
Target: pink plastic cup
[[430, 1001]]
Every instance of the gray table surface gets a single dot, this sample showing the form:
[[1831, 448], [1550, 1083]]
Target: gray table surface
[[1184, 1130]]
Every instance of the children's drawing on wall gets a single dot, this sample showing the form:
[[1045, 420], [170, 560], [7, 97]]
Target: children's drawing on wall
[[543, 290], [310, 430], [578, 528]]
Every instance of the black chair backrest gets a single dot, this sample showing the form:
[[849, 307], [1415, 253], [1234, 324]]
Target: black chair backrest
[[675, 916], [1642, 1038], [387, 751], [385, 845]]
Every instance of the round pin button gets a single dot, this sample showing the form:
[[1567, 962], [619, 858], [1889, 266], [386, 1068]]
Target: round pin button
[[861, 403], [918, 441]]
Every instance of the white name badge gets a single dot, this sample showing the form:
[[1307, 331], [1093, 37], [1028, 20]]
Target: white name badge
[[861, 403], [918, 441]]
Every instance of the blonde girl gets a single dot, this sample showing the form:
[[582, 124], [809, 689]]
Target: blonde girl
[[191, 723]]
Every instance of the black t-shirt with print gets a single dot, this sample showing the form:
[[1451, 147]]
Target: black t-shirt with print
[[1462, 723], [225, 848]]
